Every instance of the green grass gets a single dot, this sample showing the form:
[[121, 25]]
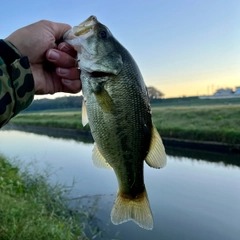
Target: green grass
[[219, 123], [71, 120], [203, 123], [31, 208], [193, 101]]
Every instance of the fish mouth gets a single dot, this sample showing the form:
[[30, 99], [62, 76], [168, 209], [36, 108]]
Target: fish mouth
[[86, 27], [78, 34]]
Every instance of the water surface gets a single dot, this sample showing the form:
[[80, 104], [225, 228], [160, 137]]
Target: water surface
[[196, 196]]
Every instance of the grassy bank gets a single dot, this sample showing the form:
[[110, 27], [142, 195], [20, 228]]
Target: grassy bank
[[31, 208], [213, 123], [193, 101], [201, 123], [64, 119]]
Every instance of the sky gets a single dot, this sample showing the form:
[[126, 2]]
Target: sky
[[182, 47]]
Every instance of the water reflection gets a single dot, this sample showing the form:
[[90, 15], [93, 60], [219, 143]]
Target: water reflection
[[78, 135], [215, 157], [228, 159]]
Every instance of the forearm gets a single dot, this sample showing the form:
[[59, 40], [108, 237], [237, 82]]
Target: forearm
[[16, 82]]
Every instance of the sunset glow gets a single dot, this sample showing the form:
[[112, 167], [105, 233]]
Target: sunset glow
[[183, 48]]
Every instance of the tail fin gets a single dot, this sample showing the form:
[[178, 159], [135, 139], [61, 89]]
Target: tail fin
[[137, 209]]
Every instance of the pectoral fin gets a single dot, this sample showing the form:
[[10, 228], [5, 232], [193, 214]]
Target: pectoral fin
[[105, 101], [156, 157], [84, 114], [98, 159]]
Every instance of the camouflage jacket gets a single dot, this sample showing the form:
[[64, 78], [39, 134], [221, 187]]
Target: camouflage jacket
[[16, 82]]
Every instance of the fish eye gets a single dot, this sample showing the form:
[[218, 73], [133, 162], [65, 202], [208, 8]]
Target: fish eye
[[102, 34]]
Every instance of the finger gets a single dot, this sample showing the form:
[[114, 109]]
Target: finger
[[67, 48], [61, 59], [68, 73], [71, 86]]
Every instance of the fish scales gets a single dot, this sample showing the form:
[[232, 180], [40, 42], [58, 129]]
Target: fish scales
[[122, 128], [119, 115]]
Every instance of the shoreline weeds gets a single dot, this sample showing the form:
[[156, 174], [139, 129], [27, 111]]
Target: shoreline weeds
[[32, 207], [87, 137]]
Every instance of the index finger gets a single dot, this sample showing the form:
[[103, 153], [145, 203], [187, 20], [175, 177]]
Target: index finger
[[61, 59]]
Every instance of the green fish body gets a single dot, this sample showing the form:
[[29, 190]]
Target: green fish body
[[119, 115]]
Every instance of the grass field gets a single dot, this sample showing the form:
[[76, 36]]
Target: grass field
[[31, 208], [194, 101], [72, 119], [220, 123], [212, 123]]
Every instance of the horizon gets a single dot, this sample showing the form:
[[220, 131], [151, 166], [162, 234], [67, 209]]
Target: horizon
[[52, 97]]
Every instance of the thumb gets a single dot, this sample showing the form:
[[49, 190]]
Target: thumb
[[59, 29]]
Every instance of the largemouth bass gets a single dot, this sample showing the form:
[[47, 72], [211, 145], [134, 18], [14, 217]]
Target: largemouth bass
[[116, 105]]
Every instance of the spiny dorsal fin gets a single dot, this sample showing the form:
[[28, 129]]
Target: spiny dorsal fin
[[136, 209], [156, 157], [98, 159], [84, 113]]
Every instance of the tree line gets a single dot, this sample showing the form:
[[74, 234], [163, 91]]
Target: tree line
[[57, 103], [74, 101]]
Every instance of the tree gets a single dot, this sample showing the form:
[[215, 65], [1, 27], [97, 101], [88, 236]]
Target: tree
[[154, 93]]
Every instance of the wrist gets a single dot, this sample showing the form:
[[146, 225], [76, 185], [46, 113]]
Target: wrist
[[9, 53], [20, 76]]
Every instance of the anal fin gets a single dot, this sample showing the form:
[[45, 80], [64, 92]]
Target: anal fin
[[156, 157]]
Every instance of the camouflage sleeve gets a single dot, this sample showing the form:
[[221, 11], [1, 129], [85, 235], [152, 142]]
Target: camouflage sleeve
[[16, 82]]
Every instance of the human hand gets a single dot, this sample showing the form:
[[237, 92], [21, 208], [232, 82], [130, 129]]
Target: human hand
[[54, 67]]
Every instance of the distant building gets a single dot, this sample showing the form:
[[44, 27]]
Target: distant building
[[237, 91], [223, 92]]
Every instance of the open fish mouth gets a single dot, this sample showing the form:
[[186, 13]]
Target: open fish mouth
[[78, 34], [86, 27]]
